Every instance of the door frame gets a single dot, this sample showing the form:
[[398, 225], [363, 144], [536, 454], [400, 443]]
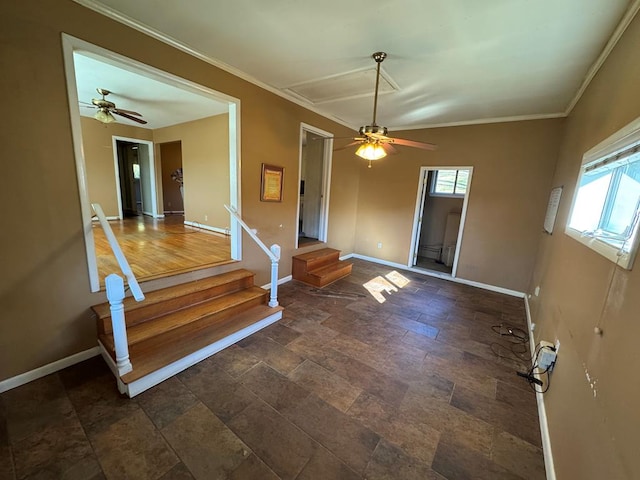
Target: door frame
[[327, 160], [154, 176], [417, 216], [69, 45]]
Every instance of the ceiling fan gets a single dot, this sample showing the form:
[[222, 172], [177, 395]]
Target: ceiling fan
[[106, 109], [373, 140]]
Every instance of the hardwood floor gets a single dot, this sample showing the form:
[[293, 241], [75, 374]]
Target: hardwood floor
[[157, 248]]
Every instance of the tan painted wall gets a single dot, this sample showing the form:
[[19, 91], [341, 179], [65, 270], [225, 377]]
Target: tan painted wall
[[97, 145], [594, 431], [205, 163], [170, 160], [44, 286], [513, 166]]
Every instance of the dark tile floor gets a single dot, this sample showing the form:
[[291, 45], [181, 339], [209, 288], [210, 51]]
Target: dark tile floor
[[382, 381]]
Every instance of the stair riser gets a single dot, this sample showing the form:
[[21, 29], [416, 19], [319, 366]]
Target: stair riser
[[322, 281], [320, 262], [143, 314]]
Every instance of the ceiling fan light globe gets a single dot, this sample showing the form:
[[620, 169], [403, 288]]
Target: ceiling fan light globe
[[371, 151], [104, 116]]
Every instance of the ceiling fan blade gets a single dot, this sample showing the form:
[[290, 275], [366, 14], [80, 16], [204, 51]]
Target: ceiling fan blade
[[411, 143], [130, 117], [129, 112], [389, 149], [348, 145]]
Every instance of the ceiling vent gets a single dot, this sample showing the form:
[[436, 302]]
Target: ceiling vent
[[344, 86]]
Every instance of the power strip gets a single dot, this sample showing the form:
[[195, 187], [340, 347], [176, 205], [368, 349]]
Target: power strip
[[547, 356]]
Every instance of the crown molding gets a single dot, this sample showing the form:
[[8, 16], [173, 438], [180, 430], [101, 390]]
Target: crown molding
[[608, 48], [167, 39], [481, 121]]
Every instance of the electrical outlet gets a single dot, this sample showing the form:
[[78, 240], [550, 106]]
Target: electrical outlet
[[206, 217], [379, 244], [536, 292]]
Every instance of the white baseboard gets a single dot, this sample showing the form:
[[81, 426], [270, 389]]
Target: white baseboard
[[444, 276], [286, 279], [110, 218], [542, 411], [45, 370], [224, 231]]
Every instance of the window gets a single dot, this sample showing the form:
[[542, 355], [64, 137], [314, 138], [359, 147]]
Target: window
[[606, 207], [450, 183]]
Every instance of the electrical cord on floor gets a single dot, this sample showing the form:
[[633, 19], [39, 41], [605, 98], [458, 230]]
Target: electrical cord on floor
[[518, 348]]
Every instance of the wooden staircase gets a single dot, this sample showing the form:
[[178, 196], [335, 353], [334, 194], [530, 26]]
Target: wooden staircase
[[320, 267], [176, 327]]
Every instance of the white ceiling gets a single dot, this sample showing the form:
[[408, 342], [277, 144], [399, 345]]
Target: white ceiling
[[160, 104], [450, 62]]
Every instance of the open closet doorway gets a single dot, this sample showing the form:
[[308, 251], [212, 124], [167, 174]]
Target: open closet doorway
[[314, 182], [439, 220]]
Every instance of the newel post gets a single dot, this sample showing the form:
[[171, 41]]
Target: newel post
[[115, 293], [273, 300]]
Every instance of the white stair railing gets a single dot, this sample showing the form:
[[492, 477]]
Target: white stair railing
[[273, 253], [115, 294]]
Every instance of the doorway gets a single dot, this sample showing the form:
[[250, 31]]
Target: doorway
[[135, 177], [441, 207], [314, 185]]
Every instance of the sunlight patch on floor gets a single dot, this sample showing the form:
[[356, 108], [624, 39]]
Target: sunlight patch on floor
[[376, 286]]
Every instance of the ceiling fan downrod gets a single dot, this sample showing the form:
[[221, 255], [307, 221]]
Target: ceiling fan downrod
[[379, 58]]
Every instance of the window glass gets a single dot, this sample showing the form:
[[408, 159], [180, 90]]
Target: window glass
[[450, 182]]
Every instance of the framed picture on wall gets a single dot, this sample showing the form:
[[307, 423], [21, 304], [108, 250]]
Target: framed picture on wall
[[271, 184]]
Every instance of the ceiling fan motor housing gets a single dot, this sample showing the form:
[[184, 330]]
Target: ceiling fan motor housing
[[373, 130]]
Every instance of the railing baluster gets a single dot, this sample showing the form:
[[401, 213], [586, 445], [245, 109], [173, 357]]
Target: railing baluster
[[273, 301], [115, 293]]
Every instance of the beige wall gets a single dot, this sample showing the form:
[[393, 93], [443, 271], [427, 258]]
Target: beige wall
[[594, 431], [97, 145], [205, 164], [44, 286], [170, 156], [513, 164]]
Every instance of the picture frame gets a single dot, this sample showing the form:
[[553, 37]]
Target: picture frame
[[271, 183]]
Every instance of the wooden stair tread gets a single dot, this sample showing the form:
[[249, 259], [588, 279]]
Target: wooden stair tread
[[323, 252], [166, 294], [220, 307], [329, 269], [161, 350]]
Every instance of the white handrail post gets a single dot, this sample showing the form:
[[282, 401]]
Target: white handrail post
[[273, 300], [115, 293]]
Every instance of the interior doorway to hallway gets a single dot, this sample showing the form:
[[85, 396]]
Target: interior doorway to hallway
[[314, 185], [135, 177], [441, 207]]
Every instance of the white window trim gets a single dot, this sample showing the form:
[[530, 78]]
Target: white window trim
[[620, 140]]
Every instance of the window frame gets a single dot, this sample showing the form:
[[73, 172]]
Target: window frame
[[620, 141], [434, 180]]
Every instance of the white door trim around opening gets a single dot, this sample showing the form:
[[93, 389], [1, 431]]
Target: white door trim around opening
[[417, 216], [327, 160], [71, 44]]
